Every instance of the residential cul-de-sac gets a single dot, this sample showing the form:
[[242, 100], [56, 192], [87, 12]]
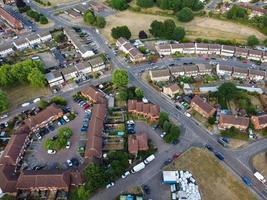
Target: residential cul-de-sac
[[119, 100]]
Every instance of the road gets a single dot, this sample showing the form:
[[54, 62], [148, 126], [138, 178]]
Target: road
[[194, 134]]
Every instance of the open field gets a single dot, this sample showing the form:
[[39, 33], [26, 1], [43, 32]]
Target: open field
[[200, 27], [213, 180], [260, 163], [20, 94]]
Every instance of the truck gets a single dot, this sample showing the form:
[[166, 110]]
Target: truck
[[138, 167], [149, 159], [260, 177], [219, 155], [247, 180]]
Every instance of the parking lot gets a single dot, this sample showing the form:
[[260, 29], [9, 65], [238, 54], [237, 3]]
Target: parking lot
[[36, 154]]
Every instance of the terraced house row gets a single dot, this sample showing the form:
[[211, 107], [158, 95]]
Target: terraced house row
[[209, 49], [202, 69]]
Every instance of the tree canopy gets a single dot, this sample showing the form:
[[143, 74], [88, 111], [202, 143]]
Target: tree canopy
[[121, 31], [145, 3], [252, 41], [236, 12], [120, 78], [185, 15], [119, 4], [3, 102], [37, 78], [90, 18], [177, 5]]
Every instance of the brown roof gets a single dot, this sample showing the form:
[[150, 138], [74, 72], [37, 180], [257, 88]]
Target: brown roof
[[234, 120], [95, 127], [35, 180], [146, 108], [12, 21], [132, 104], [240, 70], [202, 104], [190, 68], [44, 115], [132, 144], [142, 141], [255, 52], [94, 147], [177, 46], [256, 72], [202, 45], [99, 111], [215, 46], [160, 72], [226, 68], [94, 94], [262, 119], [164, 46], [177, 69], [174, 87], [134, 52], [189, 45], [154, 110], [204, 67], [76, 177], [241, 50], [139, 106], [122, 40], [227, 47], [8, 178]]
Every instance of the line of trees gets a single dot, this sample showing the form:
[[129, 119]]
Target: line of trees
[[25, 72], [167, 30], [38, 17], [172, 131], [90, 18]]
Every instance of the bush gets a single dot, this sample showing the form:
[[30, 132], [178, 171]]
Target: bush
[[59, 101], [42, 104], [212, 120], [185, 15], [121, 31], [43, 20], [145, 3], [173, 134], [119, 4], [143, 35], [252, 41]]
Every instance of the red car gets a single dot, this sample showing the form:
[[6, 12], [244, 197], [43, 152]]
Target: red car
[[176, 155], [245, 61], [86, 106]]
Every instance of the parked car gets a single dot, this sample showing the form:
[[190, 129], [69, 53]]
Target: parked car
[[75, 162], [25, 104], [68, 145], [110, 185], [4, 116], [146, 189], [125, 174], [69, 163], [247, 180], [36, 100], [209, 147], [187, 114], [66, 118], [162, 135], [50, 151], [168, 161], [176, 155]]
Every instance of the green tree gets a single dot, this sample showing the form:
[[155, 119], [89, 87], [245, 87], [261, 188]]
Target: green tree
[[212, 120], [120, 78], [166, 126], [236, 12], [89, 17], [100, 22], [123, 95], [163, 116], [185, 15], [121, 31], [4, 103], [119, 4], [226, 92], [145, 3], [42, 104], [252, 41], [43, 20], [59, 101], [37, 78], [139, 93], [6, 78], [265, 42], [178, 34], [59, 38], [79, 193], [173, 134]]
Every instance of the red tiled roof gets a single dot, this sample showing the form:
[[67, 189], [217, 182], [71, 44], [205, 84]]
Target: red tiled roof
[[139, 106], [207, 108], [234, 120], [132, 104], [93, 147], [8, 178], [132, 144], [94, 94], [12, 21], [142, 141]]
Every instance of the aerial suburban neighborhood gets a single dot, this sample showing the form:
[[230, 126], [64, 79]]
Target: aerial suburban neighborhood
[[133, 99]]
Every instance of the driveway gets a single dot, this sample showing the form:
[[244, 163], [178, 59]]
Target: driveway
[[38, 154]]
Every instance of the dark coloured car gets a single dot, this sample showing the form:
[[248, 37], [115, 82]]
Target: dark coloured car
[[75, 162], [146, 189], [54, 138], [167, 162], [176, 141], [210, 148], [51, 127]]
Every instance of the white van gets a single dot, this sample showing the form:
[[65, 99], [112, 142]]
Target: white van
[[36, 100], [149, 159], [25, 104]]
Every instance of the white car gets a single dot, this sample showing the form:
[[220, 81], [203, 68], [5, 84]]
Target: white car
[[66, 118], [4, 116], [69, 163], [162, 134], [187, 114], [144, 100], [125, 174], [110, 185], [36, 100], [25, 104], [50, 151], [68, 145]]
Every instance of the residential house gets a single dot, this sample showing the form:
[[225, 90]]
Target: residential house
[[93, 95], [264, 57], [241, 52], [6, 50], [80, 9], [256, 75], [177, 71], [83, 67], [171, 90], [21, 44], [147, 110], [41, 119], [137, 142], [8, 178], [126, 47], [214, 49], [254, 54], [204, 69], [259, 122], [189, 48], [202, 48], [227, 50], [187, 89], [97, 64], [43, 180], [136, 55], [34, 39], [78, 43], [69, 73], [159, 75], [177, 47], [202, 107], [120, 42], [228, 121], [191, 70], [163, 49], [45, 36], [240, 72], [12, 21], [224, 70], [54, 78]]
